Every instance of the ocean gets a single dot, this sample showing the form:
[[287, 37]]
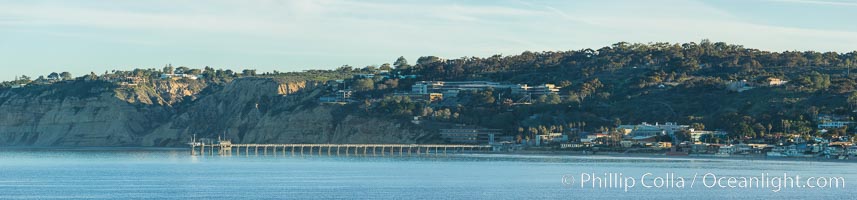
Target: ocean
[[159, 173]]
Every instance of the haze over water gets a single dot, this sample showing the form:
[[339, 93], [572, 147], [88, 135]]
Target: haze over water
[[122, 173]]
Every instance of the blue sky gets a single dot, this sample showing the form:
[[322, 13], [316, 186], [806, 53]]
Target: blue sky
[[38, 37]]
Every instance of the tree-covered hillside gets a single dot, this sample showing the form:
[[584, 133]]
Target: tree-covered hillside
[[688, 83], [716, 86]]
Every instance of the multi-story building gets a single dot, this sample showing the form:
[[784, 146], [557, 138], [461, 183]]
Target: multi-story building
[[550, 138], [832, 122], [431, 97], [696, 135], [358, 76], [452, 88], [470, 135], [425, 87], [180, 76], [536, 90], [343, 95], [592, 137], [646, 130]]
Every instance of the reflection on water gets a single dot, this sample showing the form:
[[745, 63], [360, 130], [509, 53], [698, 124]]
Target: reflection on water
[[152, 173]]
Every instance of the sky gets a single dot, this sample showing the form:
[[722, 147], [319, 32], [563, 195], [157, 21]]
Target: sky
[[81, 36]]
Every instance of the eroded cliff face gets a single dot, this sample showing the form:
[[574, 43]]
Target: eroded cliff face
[[74, 114], [246, 110]]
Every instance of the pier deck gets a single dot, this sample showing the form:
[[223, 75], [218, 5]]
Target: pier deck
[[227, 148]]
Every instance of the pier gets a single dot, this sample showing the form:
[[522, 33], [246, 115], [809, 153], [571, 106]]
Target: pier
[[227, 148]]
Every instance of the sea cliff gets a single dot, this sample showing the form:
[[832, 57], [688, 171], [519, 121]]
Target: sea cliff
[[169, 112]]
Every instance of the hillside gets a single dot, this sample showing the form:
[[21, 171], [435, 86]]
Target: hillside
[[170, 112], [746, 92], [718, 85]]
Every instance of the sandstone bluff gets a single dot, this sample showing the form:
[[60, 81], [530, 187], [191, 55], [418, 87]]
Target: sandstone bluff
[[170, 112]]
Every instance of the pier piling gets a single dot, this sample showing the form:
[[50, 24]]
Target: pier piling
[[225, 149]]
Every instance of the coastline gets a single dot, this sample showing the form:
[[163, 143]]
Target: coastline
[[664, 156], [92, 148], [513, 153]]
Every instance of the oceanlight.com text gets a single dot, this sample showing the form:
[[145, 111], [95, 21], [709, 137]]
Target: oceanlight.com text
[[768, 181]]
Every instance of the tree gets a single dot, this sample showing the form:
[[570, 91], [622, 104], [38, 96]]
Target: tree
[[486, 97], [770, 128], [24, 78], [427, 111], [698, 126], [401, 63], [366, 105], [787, 126], [386, 66], [66, 76], [91, 77], [816, 81], [589, 87], [248, 72], [54, 76], [759, 129], [542, 99], [425, 60], [573, 97], [168, 69], [553, 99], [564, 83], [182, 70], [194, 72], [852, 99], [838, 132], [683, 135], [746, 130], [364, 84], [393, 83]]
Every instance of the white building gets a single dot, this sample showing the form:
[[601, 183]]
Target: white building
[[592, 137], [448, 87], [832, 122], [646, 129], [185, 76], [18, 85], [550, 138], [425, 87], [695, 135], [536, 90]]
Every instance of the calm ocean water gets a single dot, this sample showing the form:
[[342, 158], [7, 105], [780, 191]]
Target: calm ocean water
[[122, 173]]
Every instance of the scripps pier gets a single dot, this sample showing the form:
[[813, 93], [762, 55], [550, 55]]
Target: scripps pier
[[227, 148]]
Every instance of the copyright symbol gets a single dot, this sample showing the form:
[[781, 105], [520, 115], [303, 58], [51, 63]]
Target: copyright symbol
[[567, 180]]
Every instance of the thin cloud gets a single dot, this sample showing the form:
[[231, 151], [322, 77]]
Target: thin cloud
[[329, 33], [27, 15]]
